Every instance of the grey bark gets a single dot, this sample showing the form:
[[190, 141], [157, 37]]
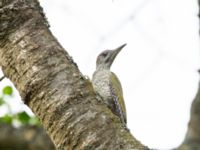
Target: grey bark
[[51, 84]]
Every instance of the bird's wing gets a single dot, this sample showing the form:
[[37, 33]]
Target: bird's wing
[[118, 94]]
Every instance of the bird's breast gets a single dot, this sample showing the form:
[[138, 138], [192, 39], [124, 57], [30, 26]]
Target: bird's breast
[[100, 81]]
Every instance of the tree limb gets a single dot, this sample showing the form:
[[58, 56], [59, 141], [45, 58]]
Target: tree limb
[[51, 84]]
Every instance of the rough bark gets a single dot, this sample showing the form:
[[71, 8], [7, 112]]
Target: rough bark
[[51, 84], [24, 138]]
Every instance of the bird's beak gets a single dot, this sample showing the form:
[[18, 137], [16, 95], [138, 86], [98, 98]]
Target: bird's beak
[[119, 48], [115, 52]]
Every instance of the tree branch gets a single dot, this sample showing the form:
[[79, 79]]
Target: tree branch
[[50, 83]]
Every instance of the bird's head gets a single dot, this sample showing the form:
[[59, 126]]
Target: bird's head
[[106, 58]]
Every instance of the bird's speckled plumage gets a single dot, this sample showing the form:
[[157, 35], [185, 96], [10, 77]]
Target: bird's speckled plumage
[[107, 85]]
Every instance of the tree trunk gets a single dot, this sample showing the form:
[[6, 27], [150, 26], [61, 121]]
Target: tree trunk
[[51, 84]]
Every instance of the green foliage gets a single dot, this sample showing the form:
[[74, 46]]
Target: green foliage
[[7, 90], [22, 118], [34, 121], [2, 101], [25, 119], [8, 119]]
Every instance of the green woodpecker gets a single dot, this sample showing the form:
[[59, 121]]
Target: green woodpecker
[[107, 85]]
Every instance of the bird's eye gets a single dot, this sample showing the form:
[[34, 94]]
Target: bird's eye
[[104, 54]]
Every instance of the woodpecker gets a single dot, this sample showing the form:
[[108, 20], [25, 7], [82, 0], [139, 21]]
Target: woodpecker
[[107, 85]]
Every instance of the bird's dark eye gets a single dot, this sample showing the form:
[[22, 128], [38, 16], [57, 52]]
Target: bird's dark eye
[[104, 54]]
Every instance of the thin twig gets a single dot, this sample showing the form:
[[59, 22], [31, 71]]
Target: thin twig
[[2, 78]]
